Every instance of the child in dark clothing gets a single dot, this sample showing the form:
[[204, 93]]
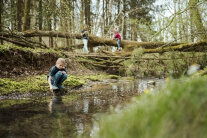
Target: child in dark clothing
[[57, 75], [117, 37], [84, 34]]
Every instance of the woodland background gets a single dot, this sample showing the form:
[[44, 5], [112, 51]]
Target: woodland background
[[138, 20]]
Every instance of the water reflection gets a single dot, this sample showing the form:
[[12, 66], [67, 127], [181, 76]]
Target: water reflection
[[79, 126], [59, 117], [85, 106], [56, 106]]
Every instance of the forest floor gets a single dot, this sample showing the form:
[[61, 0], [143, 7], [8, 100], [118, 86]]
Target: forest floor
[[23, 72], [21, 66]]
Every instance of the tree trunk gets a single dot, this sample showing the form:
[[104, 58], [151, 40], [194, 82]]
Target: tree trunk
[[19, 15], [196, 19], [175, 33], [106, 14], [50, 28], [88, 14], [82, 12], [181, 30], [103, 19], [27, 18], [40, 18], [149, 47], [93, 40], [124, 20], [1, 21], [195, 47]]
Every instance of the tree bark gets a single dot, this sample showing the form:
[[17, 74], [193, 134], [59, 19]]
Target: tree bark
[[82, 11], [1, 22], [175, 22], [13, 19], [19, 15], [103, 19], [27, 5], [40, 18], [124, 20], [195, 47], [88, 13], [196, 19]]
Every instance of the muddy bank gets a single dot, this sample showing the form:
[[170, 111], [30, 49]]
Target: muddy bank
[[15, 61], [20, 62]]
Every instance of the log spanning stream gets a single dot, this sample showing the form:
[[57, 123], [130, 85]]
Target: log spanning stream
[[66, 116]]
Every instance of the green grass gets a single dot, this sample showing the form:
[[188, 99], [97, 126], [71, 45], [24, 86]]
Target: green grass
[[178, 110]]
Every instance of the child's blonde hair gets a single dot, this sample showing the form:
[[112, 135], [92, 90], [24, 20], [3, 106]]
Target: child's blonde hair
[[61, 60]]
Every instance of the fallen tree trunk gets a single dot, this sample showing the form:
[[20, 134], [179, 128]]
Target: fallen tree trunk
[[15, 42], [93, 40], [21, 41], [196, 47]]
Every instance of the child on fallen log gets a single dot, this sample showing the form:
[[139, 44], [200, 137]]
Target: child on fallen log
[[57, 75], [84, 35], [117, 37]]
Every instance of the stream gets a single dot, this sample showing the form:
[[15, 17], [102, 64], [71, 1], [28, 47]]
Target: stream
[[71, 115]]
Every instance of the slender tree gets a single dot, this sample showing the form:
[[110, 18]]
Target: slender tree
[[103, 19], [88, 13], [40, 17], [27, 19], [124, 28], [19, 15], [1, 21], [174, 30]]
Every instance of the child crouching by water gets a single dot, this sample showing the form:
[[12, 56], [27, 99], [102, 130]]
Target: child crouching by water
[[57, 75]]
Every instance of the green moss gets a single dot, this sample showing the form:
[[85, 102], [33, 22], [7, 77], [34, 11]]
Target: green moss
[[74, 81], [34, 84], [26, 85], [8, 48]]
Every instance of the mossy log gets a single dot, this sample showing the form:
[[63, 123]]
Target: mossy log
[[197, 47], [149, 47], [93, 40], [21, 41]]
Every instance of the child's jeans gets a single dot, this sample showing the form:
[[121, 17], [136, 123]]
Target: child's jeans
[[85, 47], [58, 79], [118, 43]]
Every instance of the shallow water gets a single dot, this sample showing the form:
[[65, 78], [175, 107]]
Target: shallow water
[[67, 116]]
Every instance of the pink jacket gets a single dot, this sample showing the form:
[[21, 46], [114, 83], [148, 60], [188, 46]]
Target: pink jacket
[[118, 36]]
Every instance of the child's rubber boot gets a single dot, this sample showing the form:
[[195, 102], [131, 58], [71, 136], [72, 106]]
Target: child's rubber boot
[[61, 87], [54, 87]]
